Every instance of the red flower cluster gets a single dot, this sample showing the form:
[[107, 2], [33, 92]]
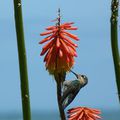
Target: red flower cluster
[[83, 113], [60, 50]]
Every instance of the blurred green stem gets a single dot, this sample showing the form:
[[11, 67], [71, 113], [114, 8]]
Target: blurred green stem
[[114, 41], [61, 110], [22, 60], [59, 78]]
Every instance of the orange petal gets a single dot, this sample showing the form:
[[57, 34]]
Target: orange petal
[[91, 118], [65, 26], [47, 38], [67, 23], [51, 28], [48, 32], [94, 116], [53, 56], [80, 116], [58, 42], [74, 110], [68, 40], [48, 45], [49, 56], [72, 51], [46, 57], [44, 51], [77, 112], [70, 35], [60, 53], [68, 60], [71, 28], [73, 117], [70, 45], [67, 56], [93, 110], [63, 45]]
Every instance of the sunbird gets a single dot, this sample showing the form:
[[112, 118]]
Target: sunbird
[[71, 88]]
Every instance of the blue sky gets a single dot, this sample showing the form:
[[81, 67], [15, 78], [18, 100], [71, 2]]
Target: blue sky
[[94, 54]]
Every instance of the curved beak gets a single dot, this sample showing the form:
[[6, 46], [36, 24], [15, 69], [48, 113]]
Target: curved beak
[[74, 73]]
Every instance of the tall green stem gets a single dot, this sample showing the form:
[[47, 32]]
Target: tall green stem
[[114, 41], [59, 78], [22, 60], [62, 114]]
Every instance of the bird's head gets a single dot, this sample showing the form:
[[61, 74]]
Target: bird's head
[[82, 78]]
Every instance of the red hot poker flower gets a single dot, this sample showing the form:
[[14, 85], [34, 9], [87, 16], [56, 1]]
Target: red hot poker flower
[[83, 113], [60, 50]]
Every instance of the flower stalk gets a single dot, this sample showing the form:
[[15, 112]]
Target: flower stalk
[[59, 78], [59, 53], [22, 60], [114, 42]]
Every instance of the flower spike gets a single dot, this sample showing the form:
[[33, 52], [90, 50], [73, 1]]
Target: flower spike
[[83, 113], [60, 50]]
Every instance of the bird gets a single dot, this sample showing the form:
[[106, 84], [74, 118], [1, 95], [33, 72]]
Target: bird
[[71, 88]]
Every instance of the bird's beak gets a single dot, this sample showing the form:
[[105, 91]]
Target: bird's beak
[[75, 73]]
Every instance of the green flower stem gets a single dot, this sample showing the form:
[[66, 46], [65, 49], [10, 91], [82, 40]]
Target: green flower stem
[[62, 114], [22, 60], [59, 78], [114, 41]]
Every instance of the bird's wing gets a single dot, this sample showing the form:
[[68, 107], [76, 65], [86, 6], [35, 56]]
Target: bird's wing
[[71, 88], [66, 84], [70, 93], [68, 98], [66, 93], [67, 101]]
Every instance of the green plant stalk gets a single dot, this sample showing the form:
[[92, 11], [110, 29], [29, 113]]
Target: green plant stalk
[[59, 78], [114, 42], [22, 61], [62, 114]]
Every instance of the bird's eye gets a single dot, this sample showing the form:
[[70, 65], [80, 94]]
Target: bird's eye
[[83, 76]]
